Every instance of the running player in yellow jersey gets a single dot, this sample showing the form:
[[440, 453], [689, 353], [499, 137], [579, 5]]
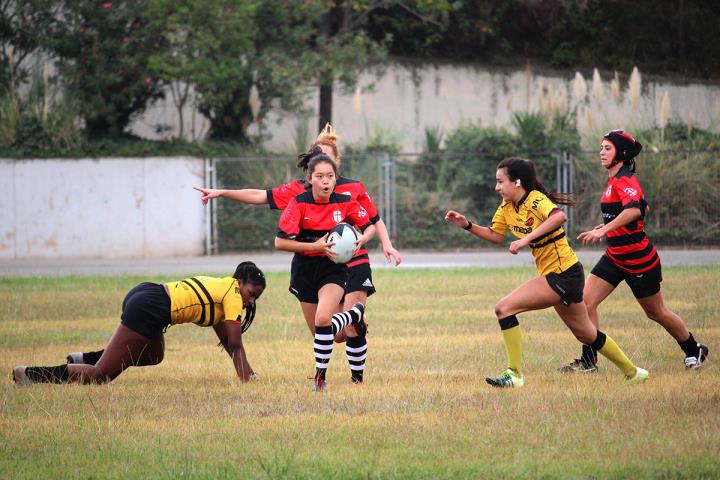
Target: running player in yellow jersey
[[148, 310], [531, 214]]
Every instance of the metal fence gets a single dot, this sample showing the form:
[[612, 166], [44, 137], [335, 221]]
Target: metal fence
[[413, 191]]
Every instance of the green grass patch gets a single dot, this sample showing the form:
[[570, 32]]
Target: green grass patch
[[424, 411]]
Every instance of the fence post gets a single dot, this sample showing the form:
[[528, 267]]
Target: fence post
[[564, 173], [386, 191], [211, 243]]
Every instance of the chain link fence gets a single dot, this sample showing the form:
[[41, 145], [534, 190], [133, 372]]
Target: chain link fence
[[413, 192]]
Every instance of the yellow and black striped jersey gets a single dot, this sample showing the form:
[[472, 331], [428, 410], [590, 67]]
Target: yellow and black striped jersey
[[552, 252], [205, 301]]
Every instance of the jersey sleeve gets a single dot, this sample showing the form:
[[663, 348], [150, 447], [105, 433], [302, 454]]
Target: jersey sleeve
[[279, 197], [543, 207], [233, 303], [499, 224], [357, 215], [289, 224], [366, 202], [629, 192]]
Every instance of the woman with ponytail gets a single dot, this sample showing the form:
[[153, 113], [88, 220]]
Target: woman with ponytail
[[227, 304], [530, 213], [630, 256], [360, 283]]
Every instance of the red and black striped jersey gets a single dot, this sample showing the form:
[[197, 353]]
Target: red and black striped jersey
[[628, 246], [306, 220], [279, 197]]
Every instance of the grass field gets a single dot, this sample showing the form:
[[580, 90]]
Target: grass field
[[424, 411]]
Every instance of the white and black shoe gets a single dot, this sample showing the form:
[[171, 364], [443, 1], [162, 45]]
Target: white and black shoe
[[361, 324], [75, 357], [698, 359]]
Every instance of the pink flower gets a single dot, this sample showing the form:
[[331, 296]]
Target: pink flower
[[107, 6], [148, 80], [126, 39]]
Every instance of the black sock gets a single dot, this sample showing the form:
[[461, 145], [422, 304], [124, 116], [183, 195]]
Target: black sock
[[57, 374], [589, 355], [689, 346], [91, 358]]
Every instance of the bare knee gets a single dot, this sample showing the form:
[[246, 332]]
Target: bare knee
[[154, 358], [322, 320], [502, 310], [584, 337], [656, 314]]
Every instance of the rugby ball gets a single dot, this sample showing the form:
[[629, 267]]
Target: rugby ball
[[343, 235]]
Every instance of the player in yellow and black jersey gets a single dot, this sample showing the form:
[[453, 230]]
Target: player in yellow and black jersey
[[530, 213], [226, 304]]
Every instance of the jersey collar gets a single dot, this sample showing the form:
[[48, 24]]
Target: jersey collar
[[522, 200]]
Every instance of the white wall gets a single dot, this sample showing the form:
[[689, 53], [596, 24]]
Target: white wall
[[413, 96], [101, 208]]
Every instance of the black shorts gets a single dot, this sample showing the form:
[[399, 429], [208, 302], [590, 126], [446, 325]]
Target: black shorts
[[146, 310], [568, 284], [360, 279], [309, 274], [644, 285]]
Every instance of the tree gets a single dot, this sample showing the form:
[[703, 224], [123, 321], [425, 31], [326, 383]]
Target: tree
[[345, 49], [103, 51], [22, 24], [246, 57], [230, 51]]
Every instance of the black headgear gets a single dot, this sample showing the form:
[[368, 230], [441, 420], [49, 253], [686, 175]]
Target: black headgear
[[626, 147]]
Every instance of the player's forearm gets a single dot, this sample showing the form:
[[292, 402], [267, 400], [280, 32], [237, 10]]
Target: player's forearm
[[485, 233], [626, 216], [383, 235], [369, 233], [242, 366], [552, 223], [250, 196], [288, 245]]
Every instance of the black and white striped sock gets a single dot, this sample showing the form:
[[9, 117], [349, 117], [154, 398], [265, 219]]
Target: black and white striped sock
[[343, 319], [340, 321], [356, 350], [324, 340]]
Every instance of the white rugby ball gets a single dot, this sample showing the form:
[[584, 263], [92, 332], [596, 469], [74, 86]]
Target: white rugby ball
[[344, 237]]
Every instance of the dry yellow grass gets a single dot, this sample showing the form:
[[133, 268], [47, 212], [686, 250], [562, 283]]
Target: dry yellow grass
[[424, 412]]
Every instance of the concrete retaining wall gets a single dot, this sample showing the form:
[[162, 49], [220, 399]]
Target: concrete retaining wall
[[101, 208]]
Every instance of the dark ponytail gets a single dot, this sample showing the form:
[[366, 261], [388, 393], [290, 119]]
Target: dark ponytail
[[248, 272], [304, 158], [524, 170]]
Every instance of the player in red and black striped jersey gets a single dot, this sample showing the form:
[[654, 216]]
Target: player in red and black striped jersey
[[630, 256], [360, 282], [315, 279]]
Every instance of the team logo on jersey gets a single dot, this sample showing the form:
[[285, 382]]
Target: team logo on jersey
[[362, 212], [630, 191], [529, 222], [608, 191], [337, 216]]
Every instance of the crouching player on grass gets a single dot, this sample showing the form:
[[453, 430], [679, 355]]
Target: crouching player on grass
[[226, 304]]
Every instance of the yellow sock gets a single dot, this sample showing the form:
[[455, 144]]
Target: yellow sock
[[612, 352], [513, 347]]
